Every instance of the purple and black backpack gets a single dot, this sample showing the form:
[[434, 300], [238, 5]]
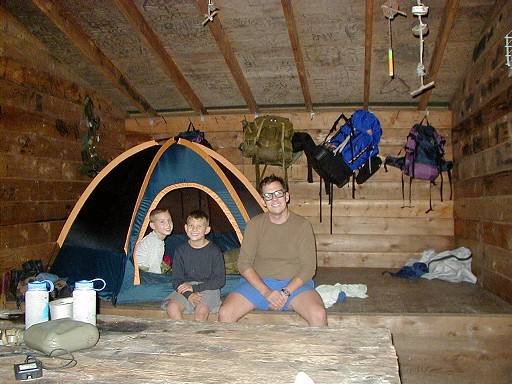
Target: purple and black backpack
[[424, 153], [424, 158]]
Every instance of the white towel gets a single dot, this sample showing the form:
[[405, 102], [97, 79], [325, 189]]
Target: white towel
[[354, 290], [330, 293]]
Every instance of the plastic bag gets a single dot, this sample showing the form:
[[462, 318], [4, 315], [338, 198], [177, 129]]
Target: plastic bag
[[453, 266]]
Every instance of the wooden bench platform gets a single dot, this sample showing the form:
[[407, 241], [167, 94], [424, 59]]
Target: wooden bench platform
[[160, 351], [444, 333], [405, 306]]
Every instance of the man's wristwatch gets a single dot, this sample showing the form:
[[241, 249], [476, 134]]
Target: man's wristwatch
[[286, 292]]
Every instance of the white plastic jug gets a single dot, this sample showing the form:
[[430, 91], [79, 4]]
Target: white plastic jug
[[61, 308], [84, 300], [37, 309]]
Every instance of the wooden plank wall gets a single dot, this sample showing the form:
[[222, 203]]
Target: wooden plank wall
[[483, 153], [372, 230], [41, 128]]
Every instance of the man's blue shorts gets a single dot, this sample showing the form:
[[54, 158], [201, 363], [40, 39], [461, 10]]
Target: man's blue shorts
[[258, 300]]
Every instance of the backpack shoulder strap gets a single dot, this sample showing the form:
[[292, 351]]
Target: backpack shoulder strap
[[335, 124], [259, 127], [334, 127]]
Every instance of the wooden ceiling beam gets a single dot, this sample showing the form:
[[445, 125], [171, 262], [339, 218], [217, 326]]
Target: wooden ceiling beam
[[152, 41], [449, 13], [74, 32], [227, 51], [297, 52], [368, 35]]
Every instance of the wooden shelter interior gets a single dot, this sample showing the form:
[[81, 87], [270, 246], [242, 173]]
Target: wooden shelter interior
[[152, 66]]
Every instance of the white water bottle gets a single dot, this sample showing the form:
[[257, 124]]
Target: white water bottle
[[84, 301], [37, 309]]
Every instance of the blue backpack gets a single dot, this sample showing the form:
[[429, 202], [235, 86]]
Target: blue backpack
[[357, 140], [352, 151]]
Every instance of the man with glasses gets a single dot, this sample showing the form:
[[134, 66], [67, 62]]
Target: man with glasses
[[277, 262]]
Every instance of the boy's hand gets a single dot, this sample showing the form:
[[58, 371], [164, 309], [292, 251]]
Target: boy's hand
[[182, 288], [195, 298]]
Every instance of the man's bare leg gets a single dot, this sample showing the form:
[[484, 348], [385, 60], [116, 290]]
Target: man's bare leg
[[310, 307], [234, 307]]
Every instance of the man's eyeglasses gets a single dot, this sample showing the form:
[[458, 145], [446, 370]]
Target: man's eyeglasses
[[270, 195]]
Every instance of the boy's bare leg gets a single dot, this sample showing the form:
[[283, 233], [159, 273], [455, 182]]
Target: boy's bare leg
[[175, 310], [201, 312], [234, 307]]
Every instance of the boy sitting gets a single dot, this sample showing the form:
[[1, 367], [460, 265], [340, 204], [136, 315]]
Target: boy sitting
[[198, 272], [150, 250]]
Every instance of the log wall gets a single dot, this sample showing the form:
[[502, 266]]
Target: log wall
[[372, 230], [483, 153], [41, 128]]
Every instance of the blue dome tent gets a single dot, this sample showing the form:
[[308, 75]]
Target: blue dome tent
[[112, 215]]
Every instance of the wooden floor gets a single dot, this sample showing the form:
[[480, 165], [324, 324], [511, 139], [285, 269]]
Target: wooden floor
[[386, 295], [443, 332]]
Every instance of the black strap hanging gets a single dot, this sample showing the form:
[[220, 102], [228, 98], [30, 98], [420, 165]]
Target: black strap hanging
[[331, 194], [430, 197], [320, 194]]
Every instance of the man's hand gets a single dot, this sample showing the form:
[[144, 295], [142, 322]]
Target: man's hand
[[276, 299], [195, 298]]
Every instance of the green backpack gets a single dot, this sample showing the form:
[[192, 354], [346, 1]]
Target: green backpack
[[268, 141]]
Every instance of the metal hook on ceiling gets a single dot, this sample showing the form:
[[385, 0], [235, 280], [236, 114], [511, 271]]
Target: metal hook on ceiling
[[212, 12], [391, 9]]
